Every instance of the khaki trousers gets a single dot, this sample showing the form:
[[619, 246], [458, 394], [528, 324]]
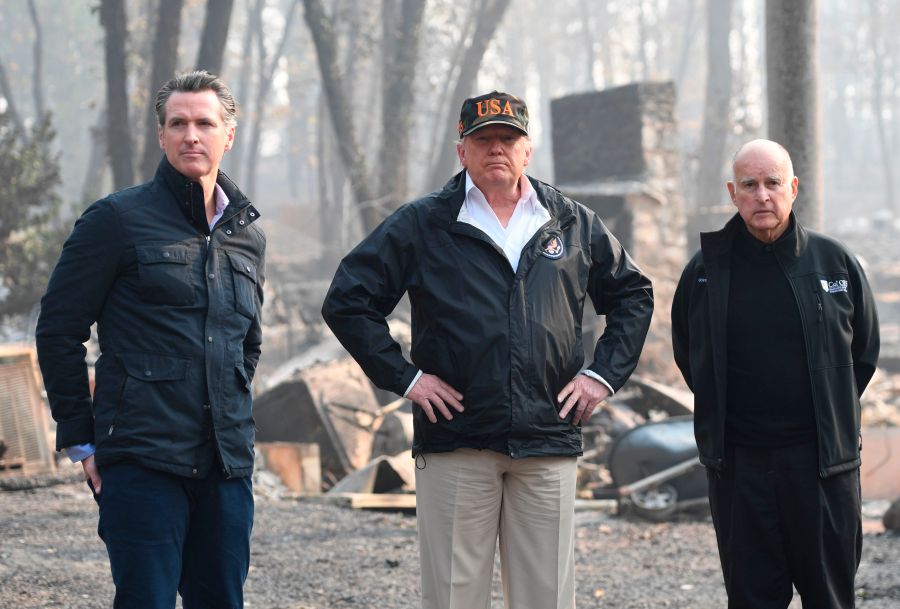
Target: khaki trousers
[[465, 499]]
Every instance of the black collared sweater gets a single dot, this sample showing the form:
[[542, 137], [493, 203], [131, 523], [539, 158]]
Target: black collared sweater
[[769, 400]]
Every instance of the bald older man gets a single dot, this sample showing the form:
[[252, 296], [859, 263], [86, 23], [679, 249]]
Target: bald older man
[[775, 331]]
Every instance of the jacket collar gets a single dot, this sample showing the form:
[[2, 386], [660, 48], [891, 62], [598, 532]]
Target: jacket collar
[[451, 197], [788, 247], [189, 194]]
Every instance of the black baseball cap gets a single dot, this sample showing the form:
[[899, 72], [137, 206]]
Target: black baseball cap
[[494, 108]]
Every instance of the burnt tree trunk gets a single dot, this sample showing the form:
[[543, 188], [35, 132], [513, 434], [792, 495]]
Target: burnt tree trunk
[[234, 160], [37, 83], [165, 59], [113, 20], [262, 93], [877, 43], [215, 33], [792, 82], [401, 51], [322, 30], [716, 113], [491, 13]]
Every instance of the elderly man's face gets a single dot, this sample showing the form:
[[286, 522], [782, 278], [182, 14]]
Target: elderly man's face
[[195, 136], [495, 156], [763, 189]]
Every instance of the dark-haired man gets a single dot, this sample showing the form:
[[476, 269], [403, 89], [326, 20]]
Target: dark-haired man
[[171, 271], [497, 266]]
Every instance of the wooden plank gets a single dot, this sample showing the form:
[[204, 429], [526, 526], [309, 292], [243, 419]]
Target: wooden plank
[[369, 501], [407, 501], [610, 506], [362, 501]]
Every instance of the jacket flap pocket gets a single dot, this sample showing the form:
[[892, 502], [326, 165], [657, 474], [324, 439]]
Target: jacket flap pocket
[[242, 265], [150, 367], [242, 375], [151, 254]]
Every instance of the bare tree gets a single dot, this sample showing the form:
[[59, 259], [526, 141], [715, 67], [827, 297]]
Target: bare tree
[[589, 38], [716, 113], [606, 19], [792, 76], [7, 91], [215, 34], [689, 32], [96, 163], [877, 42], [262, 92], [37, 83], [113, 20], [321, 28], [400, 39], [165, 59], [489, 17], [234, 160]]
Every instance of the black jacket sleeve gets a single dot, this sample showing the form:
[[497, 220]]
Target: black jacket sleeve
[[367, 286], [76, 293], [621, 292], [866, 341], [681, 336]]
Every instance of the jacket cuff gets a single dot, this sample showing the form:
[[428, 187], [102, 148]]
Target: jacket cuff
[[74, 432], [411, 375], [597, 377]]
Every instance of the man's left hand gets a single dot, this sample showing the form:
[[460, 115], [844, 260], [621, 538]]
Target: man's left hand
[[584, 393]]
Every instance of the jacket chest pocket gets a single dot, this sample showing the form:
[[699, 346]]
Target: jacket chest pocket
[[832, 311], [165, 274], [244, 278]]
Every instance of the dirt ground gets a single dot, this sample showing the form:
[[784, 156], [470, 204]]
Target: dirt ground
[[309, 555]]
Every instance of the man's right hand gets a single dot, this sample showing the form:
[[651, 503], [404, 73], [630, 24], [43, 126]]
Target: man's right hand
[[431, 392], [91, 473]]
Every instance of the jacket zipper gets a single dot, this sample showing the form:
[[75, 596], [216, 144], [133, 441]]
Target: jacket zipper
[[822, 331], [807, 342]]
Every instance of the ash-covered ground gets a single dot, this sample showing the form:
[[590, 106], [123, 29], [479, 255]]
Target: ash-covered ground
[[314, 556]]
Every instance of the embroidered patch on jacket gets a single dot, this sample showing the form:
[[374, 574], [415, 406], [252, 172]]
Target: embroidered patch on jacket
[[833, 287], [553, 248]]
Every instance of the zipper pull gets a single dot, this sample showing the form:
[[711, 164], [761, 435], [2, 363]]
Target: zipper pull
[[111, 427]]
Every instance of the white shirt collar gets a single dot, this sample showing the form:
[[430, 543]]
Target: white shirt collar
[[526, 220]]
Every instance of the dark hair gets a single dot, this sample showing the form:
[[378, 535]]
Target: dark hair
[[195, 81]]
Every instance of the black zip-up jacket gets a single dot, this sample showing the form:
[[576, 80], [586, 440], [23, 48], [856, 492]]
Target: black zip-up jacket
[[509, 342], [840, 328], [178, 322]]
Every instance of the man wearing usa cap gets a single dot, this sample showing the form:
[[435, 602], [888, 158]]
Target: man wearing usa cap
[[497, 266]]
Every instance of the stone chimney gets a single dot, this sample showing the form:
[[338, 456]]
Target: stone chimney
[[616, 152]]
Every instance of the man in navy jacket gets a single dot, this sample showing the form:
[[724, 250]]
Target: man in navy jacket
[[172, 272]]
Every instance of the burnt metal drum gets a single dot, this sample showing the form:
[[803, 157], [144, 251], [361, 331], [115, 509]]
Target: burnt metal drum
[[652, 448]]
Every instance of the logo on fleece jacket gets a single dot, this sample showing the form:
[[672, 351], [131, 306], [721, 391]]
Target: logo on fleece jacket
[[833, 287]]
